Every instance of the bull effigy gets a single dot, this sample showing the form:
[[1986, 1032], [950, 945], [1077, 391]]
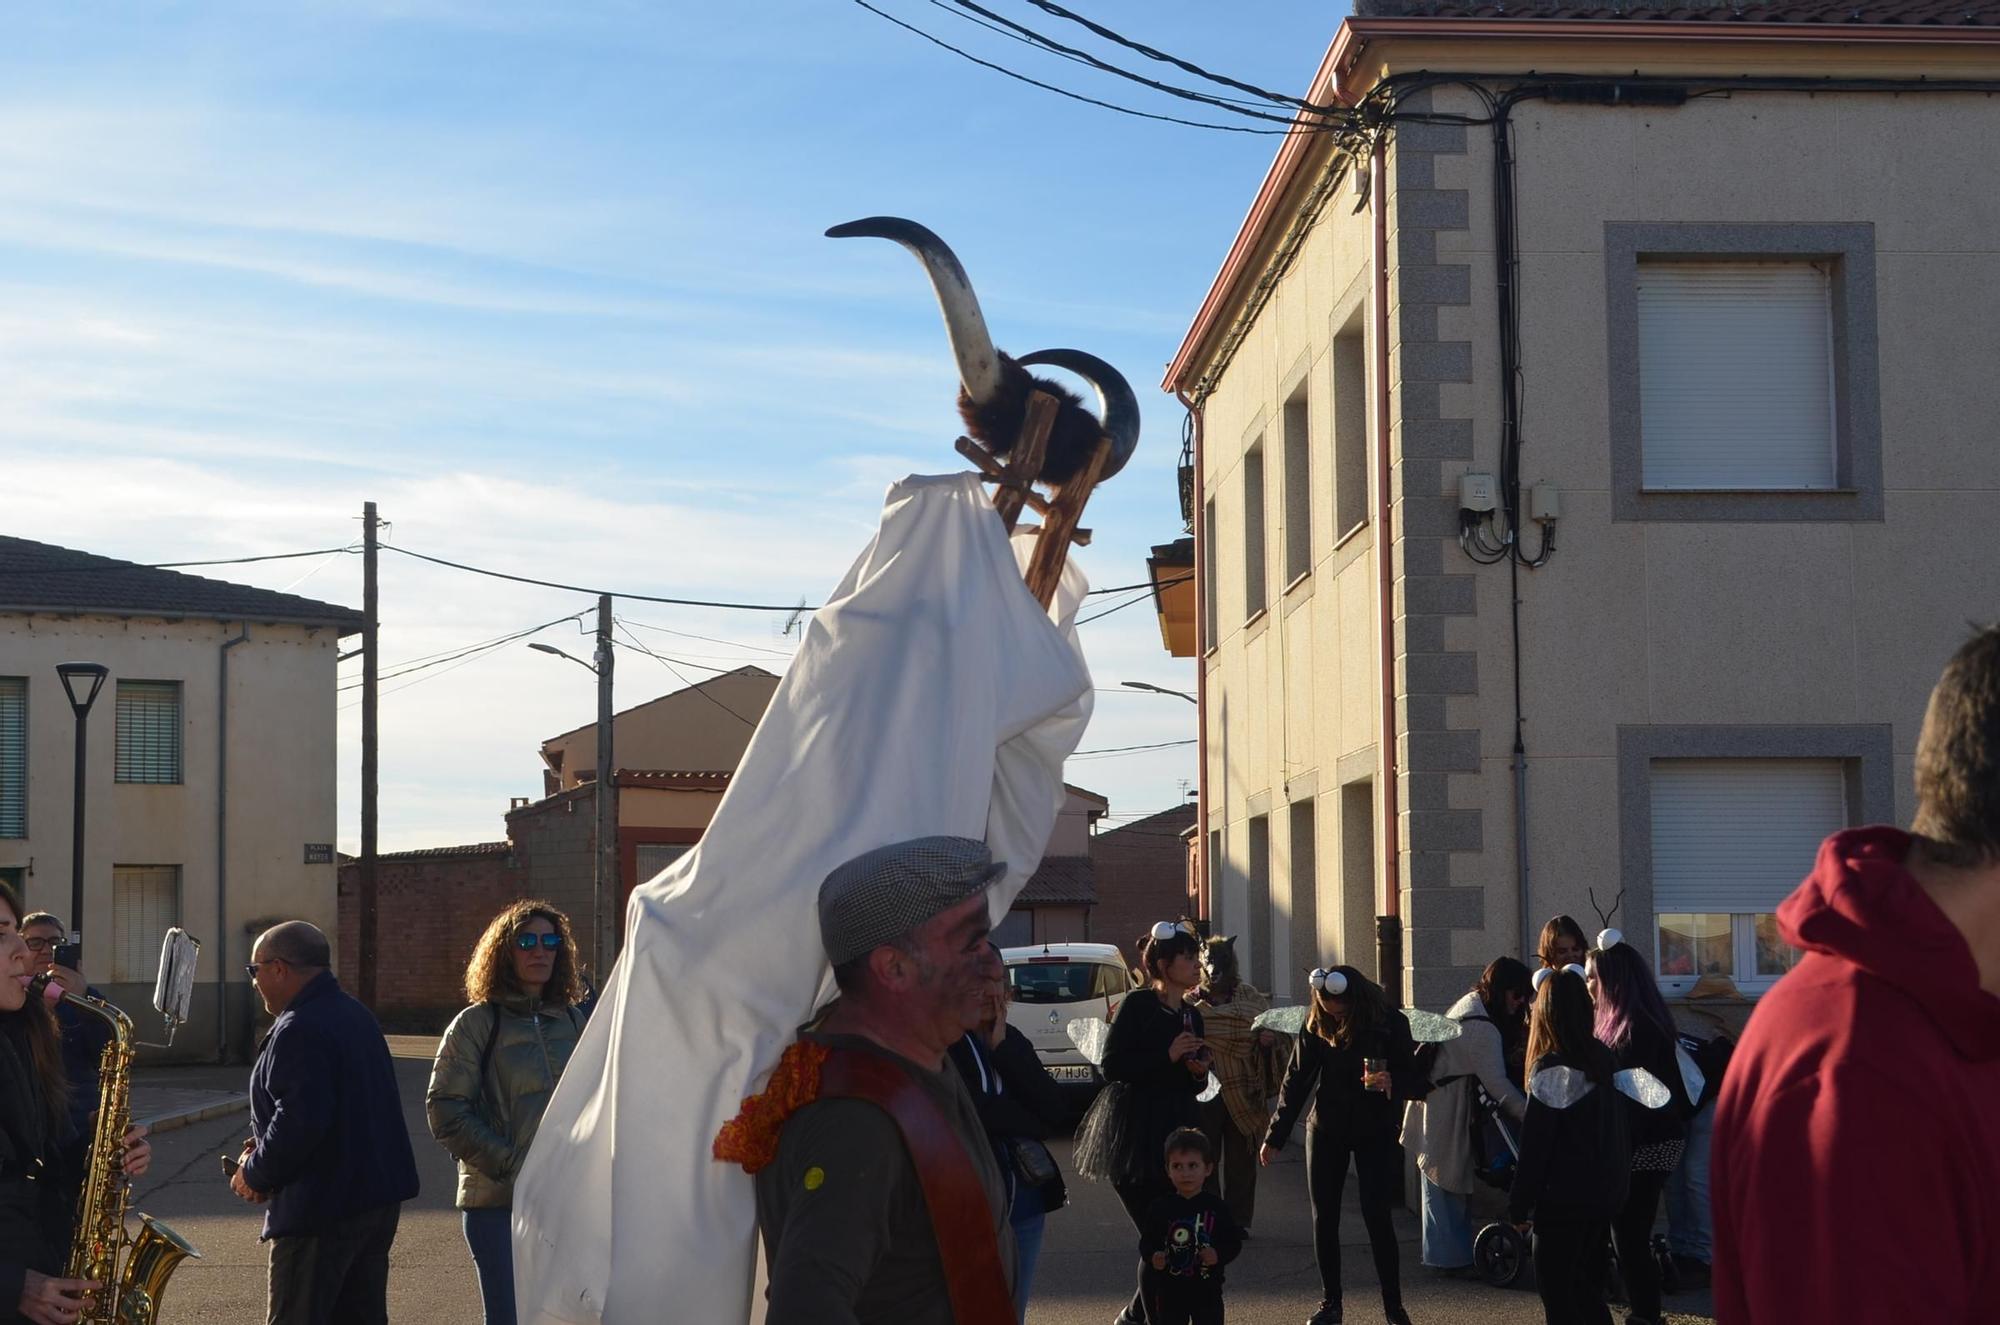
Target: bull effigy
[[937, 692]]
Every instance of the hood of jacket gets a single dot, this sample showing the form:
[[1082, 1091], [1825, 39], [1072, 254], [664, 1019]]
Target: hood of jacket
[[1862, 906]]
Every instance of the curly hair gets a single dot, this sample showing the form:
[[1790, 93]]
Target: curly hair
[[489, 976]]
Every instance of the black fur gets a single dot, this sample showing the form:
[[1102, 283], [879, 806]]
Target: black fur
[[997, 424]]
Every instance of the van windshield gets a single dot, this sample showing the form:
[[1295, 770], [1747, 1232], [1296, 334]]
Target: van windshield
[[1065, 982]]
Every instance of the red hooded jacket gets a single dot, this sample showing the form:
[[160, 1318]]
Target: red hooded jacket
[[1855, 1168]]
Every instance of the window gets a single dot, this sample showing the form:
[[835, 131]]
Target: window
[[1254, 600], [145, 904], [149, 731], [1259, 891], [1350, 430], [652, 857], [13, 756], [1357, 875], [1209, 576], [1731, 839], [1736, 375], [1304, 953], [1054, 980], [1743, 375], [1298, 486]]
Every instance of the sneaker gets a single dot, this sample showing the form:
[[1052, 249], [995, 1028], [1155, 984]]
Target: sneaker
[[1328, 1314], [1396, 1316]]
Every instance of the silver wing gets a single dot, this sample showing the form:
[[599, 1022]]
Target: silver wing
[[1559, 1087], [1210, 1091], [1430, 1028], [1090, 1035], [1644, 1087], [1285, 1021]]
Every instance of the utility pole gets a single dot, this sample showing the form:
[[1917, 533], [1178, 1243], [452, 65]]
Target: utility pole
[[605, 879], [370, 661]]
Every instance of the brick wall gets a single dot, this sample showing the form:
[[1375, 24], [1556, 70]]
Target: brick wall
[[431, 907], [1141, 876]]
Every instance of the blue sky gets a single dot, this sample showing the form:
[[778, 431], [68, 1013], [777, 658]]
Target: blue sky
[[548, 283]]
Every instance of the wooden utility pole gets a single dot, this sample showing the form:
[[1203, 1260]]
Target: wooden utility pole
[[605, 878], [370, 661]]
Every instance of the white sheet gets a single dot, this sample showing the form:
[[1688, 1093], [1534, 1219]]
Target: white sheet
[[932, 694]]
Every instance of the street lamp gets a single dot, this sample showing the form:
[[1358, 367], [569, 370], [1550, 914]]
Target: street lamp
[[81, 682], [550, 648], [1161, 690]]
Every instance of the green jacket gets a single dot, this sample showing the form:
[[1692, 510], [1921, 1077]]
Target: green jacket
[[495, 1070]]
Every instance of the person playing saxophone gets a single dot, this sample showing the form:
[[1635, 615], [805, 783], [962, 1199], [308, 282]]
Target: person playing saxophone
[[37, 1192]]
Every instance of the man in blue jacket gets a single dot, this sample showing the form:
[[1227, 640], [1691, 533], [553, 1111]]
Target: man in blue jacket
[[329, 1152]]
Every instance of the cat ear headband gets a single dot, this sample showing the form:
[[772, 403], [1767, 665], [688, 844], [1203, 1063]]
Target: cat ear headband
[[1541, 977], [1332, 983]]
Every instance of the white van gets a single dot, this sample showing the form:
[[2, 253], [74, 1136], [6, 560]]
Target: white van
[[1055, 983]]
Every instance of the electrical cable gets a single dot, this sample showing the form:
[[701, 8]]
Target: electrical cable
[[169, 565], [1064, 92], [1099, 616], [577, 588], [685, 683], [1050, 7], [428, 661], [1129, 749], [709, 639]]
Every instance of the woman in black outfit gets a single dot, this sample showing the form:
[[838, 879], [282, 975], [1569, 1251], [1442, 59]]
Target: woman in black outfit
[[1156, 1064], [1633, 1022], [1575, 1153], [1354, 1112]]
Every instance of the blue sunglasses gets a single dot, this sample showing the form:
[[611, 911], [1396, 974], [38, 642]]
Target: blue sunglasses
[[529, 942]]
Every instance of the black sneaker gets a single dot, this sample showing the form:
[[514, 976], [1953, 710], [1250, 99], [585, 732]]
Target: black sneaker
[[1396, 1316], [1328, 1314]]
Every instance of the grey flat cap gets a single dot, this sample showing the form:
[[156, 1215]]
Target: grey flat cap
[[879, 897]]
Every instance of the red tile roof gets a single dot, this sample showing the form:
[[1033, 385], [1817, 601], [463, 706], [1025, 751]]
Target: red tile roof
[[1944, 13], [41, 577], [1061, 881]]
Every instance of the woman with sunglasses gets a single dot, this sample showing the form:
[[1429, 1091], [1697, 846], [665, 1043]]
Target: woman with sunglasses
[[1156, 1064], [496, 1068], [1355, 1062]]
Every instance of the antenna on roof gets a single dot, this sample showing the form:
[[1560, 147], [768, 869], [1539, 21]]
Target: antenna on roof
[[792, 620]]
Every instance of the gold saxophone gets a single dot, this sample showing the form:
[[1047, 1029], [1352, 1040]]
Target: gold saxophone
[[131, 1294]]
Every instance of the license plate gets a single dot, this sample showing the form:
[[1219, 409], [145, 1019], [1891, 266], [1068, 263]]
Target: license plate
[[1067, 1073]]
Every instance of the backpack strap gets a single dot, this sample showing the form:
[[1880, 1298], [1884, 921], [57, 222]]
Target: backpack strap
[[968, 1243]]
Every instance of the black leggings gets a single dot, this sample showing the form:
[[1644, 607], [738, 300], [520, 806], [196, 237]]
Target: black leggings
[[1632, 1235], [1136, 1197], [1379, 1167], [1569, 1271]]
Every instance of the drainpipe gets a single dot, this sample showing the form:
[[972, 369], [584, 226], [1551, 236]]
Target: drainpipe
[[1388, 924], [1203, 885], [222, 845]]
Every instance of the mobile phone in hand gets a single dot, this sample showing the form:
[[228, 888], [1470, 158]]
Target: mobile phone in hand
[[229, 1166], [70, 955]]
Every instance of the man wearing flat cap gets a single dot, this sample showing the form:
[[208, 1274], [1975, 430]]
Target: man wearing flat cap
[[878, 1196]]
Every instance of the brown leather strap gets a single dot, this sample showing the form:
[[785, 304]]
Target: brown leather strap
[[968, 1243]]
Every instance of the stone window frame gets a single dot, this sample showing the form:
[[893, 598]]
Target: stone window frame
[[1850, 249], [1867, 750]]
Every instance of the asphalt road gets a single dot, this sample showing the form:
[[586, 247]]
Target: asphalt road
[[1085, 1276]]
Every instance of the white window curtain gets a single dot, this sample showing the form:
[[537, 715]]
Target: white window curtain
[[1736, 375]]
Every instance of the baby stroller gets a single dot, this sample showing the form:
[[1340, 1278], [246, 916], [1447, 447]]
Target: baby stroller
[[1499, 1253]]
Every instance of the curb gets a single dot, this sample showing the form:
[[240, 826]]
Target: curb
[[178, 1118]]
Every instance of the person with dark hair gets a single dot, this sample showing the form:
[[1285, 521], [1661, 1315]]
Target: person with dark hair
[[1186, 1237], [1249, 1062], [1354, 1060], [83, 1035], [1563, 943], [1437, 1129], [1632, 1021], [1155, 1064], [1575, 1160], [1855, 1161], [329, 1155], [1021, 1106], [497, 1065]]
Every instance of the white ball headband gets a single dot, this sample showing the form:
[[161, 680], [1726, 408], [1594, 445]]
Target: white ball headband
[[1329, 982], [1608, 938], [1165, 930], [1541, 977]]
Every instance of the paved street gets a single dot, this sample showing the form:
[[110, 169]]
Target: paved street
[[1086, 1268]]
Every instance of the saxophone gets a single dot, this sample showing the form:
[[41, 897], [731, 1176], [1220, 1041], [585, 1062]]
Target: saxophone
[[131, 1295]]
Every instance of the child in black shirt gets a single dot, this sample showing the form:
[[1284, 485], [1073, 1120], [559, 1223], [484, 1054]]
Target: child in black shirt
[[1186, 1238]]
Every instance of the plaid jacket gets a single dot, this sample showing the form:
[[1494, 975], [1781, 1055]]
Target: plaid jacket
[[1249, 1072]]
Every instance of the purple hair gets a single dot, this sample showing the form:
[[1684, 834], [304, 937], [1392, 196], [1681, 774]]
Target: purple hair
[[1626, 995]]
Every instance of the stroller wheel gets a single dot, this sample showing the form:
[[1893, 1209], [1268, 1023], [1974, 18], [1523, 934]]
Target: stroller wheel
[[1499, 1253]]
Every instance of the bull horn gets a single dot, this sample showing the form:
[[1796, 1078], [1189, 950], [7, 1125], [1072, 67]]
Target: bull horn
[[1118, 408], [964, 324]]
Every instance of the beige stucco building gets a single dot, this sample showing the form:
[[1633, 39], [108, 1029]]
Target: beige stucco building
[[210, 796], [1745, 271]]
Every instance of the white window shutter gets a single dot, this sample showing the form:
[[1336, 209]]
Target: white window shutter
[[1736, 376], [145, 904], [1738, 835]]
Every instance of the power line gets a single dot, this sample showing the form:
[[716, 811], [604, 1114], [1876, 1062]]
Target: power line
[[1099, 616], [1061, 92], [685, 683], [577, 588], [709, 639], [119, 564], [1050, 7], [466, 652], [1130, 749]]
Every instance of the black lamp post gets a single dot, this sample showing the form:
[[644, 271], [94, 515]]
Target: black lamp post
[[81, 681]]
